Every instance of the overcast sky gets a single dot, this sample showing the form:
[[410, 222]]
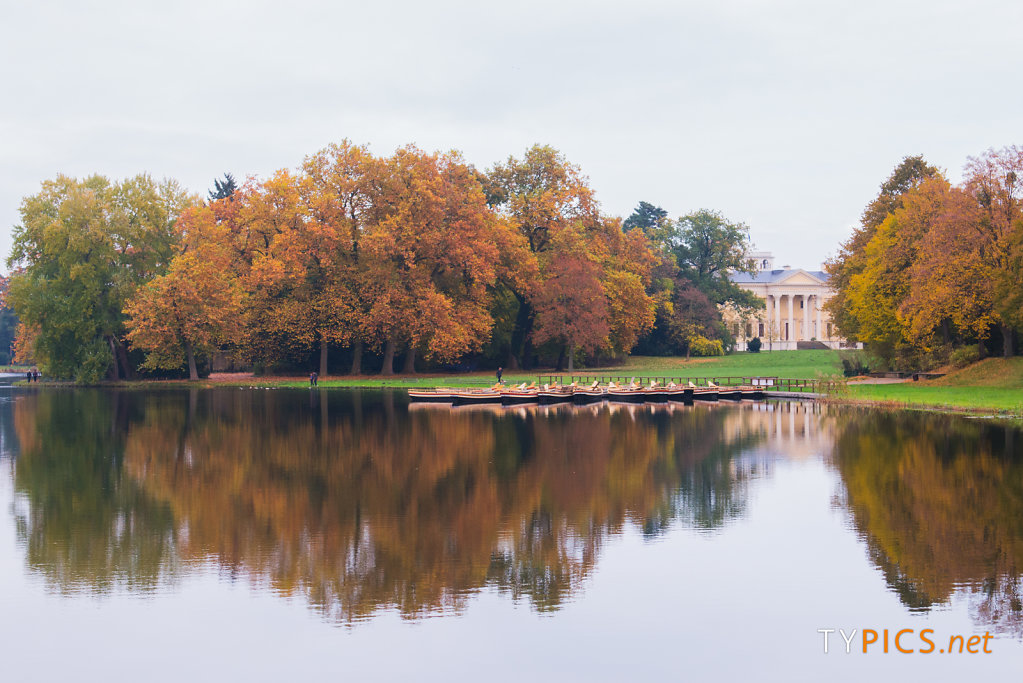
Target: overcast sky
[[784, 114]]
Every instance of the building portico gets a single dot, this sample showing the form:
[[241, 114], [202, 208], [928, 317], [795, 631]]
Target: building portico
[[794, 310]]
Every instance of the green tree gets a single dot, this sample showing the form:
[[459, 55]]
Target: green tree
[[82, 249], [222, 189], [707, 248], [646, 217]]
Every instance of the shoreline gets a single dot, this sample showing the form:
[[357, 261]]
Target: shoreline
[[993, 411]]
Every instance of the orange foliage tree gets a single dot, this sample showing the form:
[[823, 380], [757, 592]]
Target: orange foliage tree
[[195, 306]]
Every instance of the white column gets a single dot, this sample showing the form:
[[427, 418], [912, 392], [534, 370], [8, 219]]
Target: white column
[[806, 317], [820, 327], [777, 318], [792, 321]]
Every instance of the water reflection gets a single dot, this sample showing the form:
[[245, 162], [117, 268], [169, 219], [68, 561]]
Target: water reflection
[[357, 502], [354, 501], [939, 501]]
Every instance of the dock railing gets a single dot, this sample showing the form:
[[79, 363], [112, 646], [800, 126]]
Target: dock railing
[[766, 383]]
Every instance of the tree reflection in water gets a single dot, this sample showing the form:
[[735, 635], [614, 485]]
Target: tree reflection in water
[[355, 501], [939, 501]]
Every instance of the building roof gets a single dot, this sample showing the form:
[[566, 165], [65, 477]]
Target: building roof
[[775, 276]]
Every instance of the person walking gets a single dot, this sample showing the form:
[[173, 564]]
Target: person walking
[[500, 372], [313, 379]]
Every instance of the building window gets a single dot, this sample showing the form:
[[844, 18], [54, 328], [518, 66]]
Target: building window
[[761, 330], [829, 330], [801, 302], [786, 331]]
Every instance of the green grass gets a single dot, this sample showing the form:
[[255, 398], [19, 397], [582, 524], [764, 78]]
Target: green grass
[[994, 384], [787, 364], [1008, 400]]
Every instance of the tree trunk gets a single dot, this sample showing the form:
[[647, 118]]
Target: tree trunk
[[410, 362], [388, 368], [946, 331], [127, 371], [571, 358], [520, 336], [561, 361], [193, 374], [357, 358], [323, 357], [113, 352], [1008, 345]]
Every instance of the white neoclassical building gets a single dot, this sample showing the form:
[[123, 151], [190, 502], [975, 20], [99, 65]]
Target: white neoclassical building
[[794, 312]]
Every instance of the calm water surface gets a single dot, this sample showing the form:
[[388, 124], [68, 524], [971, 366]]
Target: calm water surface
[[246, 534]]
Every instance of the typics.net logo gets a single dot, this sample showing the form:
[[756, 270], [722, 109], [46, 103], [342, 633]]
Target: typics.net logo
[[905, 641]]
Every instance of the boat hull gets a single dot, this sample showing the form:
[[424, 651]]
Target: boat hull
[[705, 395], [430, 396], [476, 399], [551, 397], [587, 397], [683, 395], [626, 395], [517, 398]]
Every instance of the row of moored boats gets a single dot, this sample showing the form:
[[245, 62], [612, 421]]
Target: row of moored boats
[[633, 392]]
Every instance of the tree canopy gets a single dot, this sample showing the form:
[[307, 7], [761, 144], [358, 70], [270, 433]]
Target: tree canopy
[[941, 270], [416, 254]]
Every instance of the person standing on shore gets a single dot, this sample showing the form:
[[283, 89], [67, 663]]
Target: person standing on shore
[[312, 379], [500, 372]]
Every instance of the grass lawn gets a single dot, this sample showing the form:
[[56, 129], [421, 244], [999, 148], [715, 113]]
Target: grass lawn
[[994, 384], [788, 364]]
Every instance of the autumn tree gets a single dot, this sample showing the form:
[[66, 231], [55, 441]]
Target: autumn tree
[[950, 281], [850, 260], [430, 259], [995, 179], [570, 307], [342, 184], [194, 308], [81, 250], [542, 194]]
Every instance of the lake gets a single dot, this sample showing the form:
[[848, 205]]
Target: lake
[[253, 534]]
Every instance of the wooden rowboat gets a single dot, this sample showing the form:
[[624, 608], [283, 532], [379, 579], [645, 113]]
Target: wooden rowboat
[[704, 393], [465, 397], [438, 395], [632, 393], [520, 394], [590, 394], [556, 394]]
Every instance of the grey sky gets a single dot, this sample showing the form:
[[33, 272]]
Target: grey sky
[[786, 115]]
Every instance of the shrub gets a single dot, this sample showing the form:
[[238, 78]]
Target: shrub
[[964, 356], [853, 365], [701, 346], [753, 345]]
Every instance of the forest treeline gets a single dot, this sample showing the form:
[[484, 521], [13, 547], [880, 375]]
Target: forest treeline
[[933, 274], [366, 259]]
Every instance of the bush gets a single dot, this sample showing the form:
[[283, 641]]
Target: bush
[[701, 346], [964, 356], [853, 365], [753, 345]]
